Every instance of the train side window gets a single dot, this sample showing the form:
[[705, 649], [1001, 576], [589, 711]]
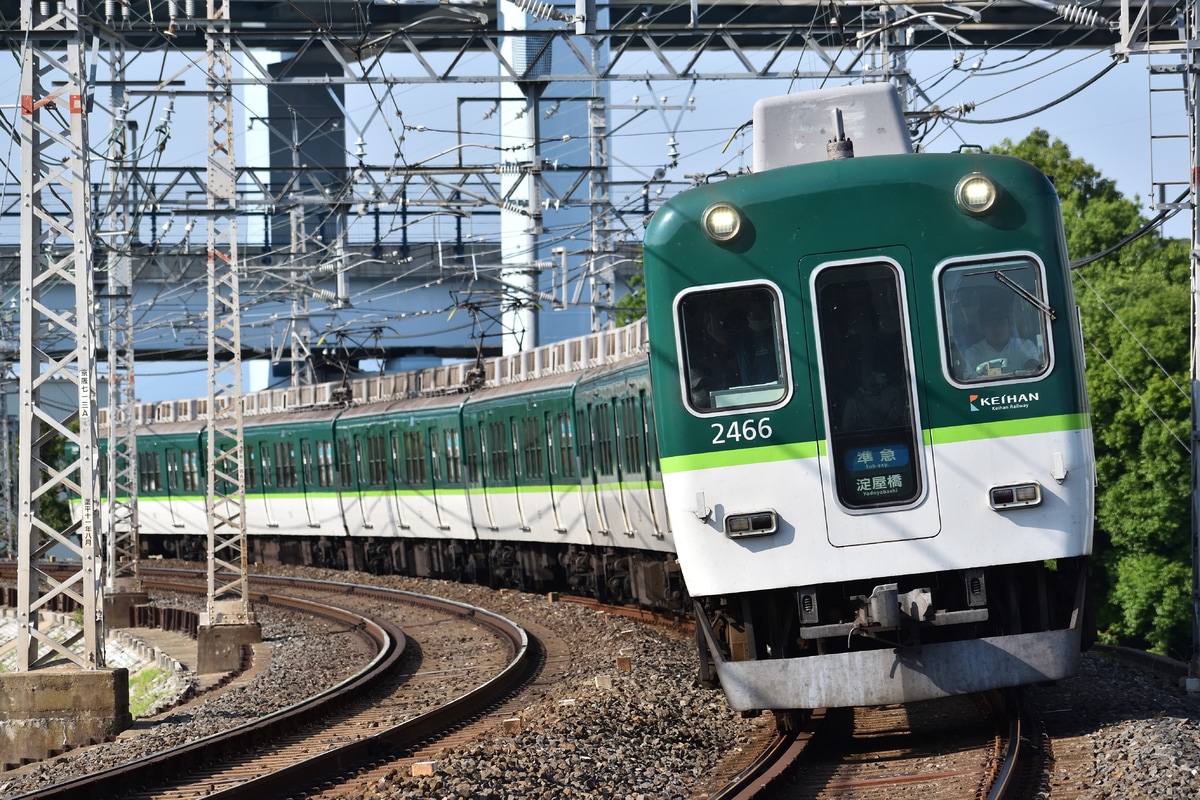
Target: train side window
[[994, 320], [306, 462], [267, 477], [499, 444], [585, 444], [285, 465], [251, 468], [532, 446], [566, 445], [377, 457], [603, 427], [149, 476], [172, 470], [414, 457], [453, 456], [324, 462], [345, 470], [732, 346], [632, 431], [191, 471], [868, 390], [471, 454]]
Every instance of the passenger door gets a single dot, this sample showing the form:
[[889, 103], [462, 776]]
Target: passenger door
[[877, 474]]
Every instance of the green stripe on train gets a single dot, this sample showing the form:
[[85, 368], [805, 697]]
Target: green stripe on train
[[736, 458], [798, 450], [999, 429]]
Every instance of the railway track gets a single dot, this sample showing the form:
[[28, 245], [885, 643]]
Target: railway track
[[369, 718], [976, 746], [955, 748]]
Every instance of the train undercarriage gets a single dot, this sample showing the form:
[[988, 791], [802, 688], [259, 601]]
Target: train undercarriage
[[915, 637], [647, 580]]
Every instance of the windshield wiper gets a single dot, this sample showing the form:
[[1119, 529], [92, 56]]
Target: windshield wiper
[[1021, 291]]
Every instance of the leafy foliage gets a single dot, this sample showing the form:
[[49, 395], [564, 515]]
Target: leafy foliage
[[1135, 309], [632, 306]]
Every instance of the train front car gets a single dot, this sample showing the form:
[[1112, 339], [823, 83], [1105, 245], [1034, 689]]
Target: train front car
[[872, 419]]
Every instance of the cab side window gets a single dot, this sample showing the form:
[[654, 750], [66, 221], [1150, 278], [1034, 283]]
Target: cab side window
[[732, 346], [995, 321]]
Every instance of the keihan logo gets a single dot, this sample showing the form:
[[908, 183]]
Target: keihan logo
[[1003, 401]]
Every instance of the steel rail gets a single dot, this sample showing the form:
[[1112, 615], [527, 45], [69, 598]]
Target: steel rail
[[389, 642]]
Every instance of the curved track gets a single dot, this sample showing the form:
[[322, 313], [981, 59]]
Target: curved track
[[300, 746], [974, 746]]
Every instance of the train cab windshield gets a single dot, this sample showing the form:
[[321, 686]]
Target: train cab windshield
[[995, 320], [732, 348]]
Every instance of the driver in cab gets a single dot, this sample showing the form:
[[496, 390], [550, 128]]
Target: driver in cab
[[1001, 351]]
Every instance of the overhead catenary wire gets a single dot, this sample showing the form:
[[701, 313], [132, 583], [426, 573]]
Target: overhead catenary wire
[[627, 215]]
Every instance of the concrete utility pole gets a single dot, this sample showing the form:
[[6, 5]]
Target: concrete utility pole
[[227, 622]]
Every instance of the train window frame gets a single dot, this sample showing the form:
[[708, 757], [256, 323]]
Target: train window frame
[[173, 481], [190, 470], [326, 462], [472, 458], [149, 472], [735, 398], [954, 366], [377, 458], [453, 444], [849, 446]]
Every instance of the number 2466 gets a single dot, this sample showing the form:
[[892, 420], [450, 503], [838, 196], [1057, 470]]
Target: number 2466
[[746, 430]]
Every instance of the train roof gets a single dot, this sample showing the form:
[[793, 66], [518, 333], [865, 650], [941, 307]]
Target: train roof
[[544, 368]]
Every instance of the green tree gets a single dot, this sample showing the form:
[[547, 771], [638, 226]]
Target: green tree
[[54, 509], [633, 305], [1135, 310]]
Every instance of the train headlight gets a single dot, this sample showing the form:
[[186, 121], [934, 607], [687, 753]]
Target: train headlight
[[1015, 495], [760, 523], [722, 222], [975, 194]]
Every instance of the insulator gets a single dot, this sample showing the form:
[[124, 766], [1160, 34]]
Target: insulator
[[44, 8], [1082, 16], [173, 10], [189, 8], [540, 10], [110, 11]]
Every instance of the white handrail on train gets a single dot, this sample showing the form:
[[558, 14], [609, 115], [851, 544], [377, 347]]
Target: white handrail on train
[[570, 355]]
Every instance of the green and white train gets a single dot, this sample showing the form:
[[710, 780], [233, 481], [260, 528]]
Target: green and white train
[[872, 416], [546, 478], [852, 437]]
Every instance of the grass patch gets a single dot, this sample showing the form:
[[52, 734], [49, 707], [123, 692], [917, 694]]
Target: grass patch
[[146, 687]]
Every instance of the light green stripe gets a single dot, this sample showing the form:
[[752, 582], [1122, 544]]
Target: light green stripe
[[950, 435], [737, 458], [1012, 427]]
